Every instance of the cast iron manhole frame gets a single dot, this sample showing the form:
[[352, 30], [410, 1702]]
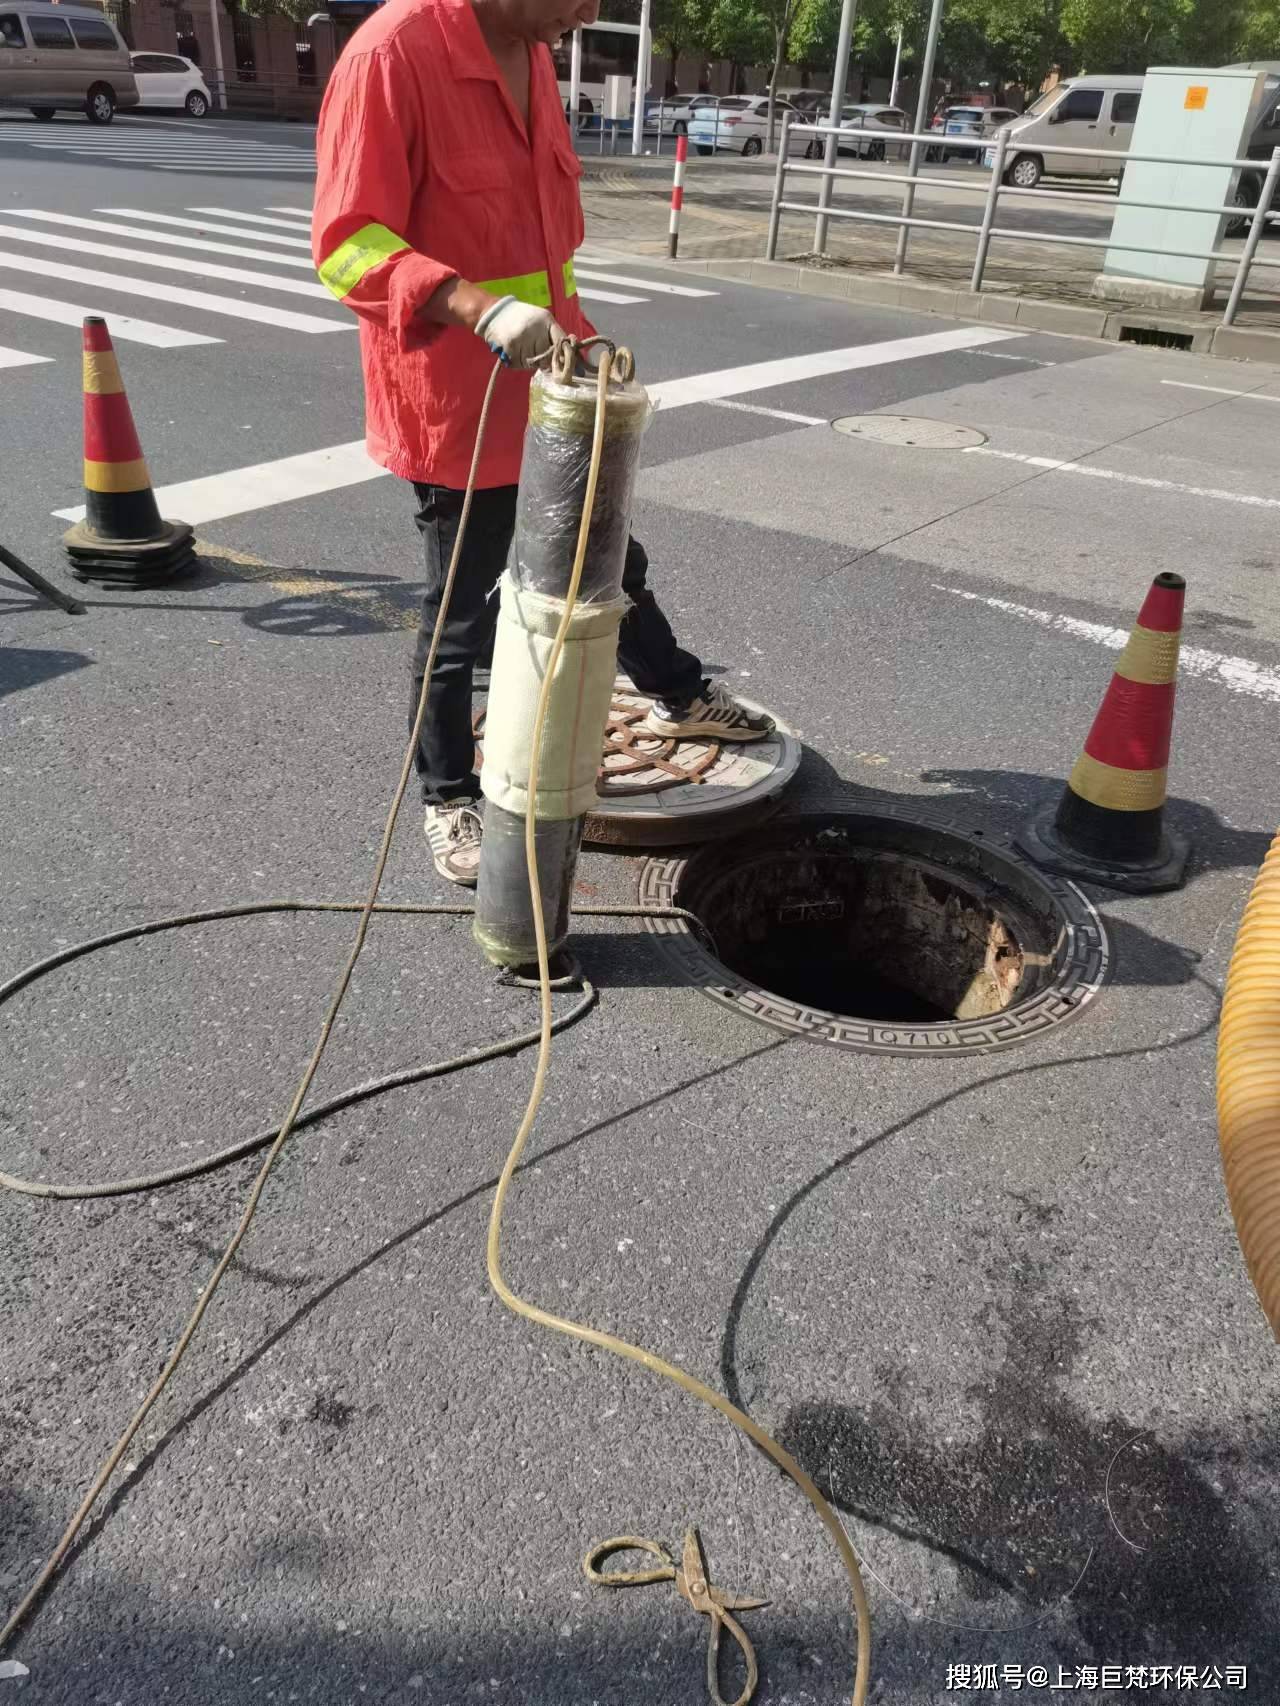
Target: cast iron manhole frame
[[1080, 972]]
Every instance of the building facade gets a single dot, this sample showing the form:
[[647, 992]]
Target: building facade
[[270, 65]]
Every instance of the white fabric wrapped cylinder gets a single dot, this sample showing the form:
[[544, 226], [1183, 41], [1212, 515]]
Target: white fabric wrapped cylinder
[[577, 710], [553, 487]]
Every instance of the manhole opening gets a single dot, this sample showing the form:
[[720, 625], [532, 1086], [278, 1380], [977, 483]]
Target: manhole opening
[[1155, 335], [882, 932], [876, 934]]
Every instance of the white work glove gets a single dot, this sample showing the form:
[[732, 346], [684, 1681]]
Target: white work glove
[[522, 335]]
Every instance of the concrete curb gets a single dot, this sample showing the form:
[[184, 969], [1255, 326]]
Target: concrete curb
[[1113, 325]]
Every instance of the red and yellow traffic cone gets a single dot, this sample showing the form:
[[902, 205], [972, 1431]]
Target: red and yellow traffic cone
[[122, 539], [1109, 826]]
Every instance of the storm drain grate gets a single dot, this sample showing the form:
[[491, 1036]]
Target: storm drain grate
[[1157, 336], [892, 933]]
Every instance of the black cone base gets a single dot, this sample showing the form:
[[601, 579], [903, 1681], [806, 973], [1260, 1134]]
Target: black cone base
[[1043, 842], [131, 562]]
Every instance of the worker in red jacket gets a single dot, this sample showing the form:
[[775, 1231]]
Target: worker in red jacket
[[447, 214]]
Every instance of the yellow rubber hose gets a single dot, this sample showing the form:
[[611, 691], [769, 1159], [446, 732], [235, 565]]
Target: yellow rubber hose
[[1249, 1085], [112, 1461], [294, 1117], [531, 1312]]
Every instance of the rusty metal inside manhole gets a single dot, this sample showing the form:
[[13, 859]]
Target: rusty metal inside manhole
[[913, 431], [885, 932]]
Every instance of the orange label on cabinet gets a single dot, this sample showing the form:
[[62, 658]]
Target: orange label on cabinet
[[1197, 97]]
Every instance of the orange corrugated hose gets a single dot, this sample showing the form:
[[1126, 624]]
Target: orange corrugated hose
[[1249, 1085]]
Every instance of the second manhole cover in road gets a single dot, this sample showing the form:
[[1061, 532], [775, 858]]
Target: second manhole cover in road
[[910, 430]]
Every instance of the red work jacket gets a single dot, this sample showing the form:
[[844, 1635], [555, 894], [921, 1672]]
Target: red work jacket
[[426, 172]]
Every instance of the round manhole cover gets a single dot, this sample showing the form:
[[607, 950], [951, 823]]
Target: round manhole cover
[[912, 430], [655, 792], [889, 933]]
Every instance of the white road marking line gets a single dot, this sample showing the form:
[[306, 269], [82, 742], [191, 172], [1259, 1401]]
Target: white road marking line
[[168, 263], [121, 325], [235, 171], [642, 283], [607, 296], [764, 375], [20, 358], [249, 218], [227, 167], [171, 238], [262, 484], [1238, 675], [301, 212], [204, 225], [1000, 355], [139, 150], [1152, 484], [1221, 390], [773, 414], [128, 285]]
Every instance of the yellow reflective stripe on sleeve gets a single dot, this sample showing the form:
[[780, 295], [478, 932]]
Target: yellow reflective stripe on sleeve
[[531, 287], [570, 278], [363, 250]]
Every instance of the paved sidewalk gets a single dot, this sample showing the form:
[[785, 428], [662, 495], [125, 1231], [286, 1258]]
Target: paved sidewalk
[[726, 218]]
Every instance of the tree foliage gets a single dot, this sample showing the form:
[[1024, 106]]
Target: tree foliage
[[1126, 35], [1001, 42], [298, 10]]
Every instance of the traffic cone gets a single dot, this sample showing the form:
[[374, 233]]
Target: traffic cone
[[1108, 826], [122, 540]]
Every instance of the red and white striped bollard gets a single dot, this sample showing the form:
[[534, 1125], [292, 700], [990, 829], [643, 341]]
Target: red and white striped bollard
[[677, 196]]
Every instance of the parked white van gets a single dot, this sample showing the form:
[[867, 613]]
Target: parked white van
[[1093, 113], [55, 56]]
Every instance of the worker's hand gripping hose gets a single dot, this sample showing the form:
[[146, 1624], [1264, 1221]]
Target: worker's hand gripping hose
[[1249, 1085], [531, 1312], [294, 1119]]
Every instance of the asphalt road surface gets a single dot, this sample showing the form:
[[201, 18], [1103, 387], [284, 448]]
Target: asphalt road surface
[[995, 1303]]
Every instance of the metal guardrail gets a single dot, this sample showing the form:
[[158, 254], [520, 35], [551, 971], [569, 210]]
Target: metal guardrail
[[830, 173]]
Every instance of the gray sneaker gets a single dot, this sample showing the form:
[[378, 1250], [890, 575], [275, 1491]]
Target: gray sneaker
[[714, 715], [453, 833]]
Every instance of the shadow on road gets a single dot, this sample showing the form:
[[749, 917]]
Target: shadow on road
[[1047, 1503], [29, 666]]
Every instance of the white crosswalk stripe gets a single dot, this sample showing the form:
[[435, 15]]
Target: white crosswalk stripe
[[606, 296], [20, 358], [170, 263], [204, 225], [656, 286], [125, 284], [249, 218], [166, 238], [123, 326], [191, 243], [166, 150]]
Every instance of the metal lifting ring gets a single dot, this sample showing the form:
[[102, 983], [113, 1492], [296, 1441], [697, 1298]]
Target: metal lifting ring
[[570, 350]]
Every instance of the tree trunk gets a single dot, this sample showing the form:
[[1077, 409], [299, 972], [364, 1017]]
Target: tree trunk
[[780, 45]]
